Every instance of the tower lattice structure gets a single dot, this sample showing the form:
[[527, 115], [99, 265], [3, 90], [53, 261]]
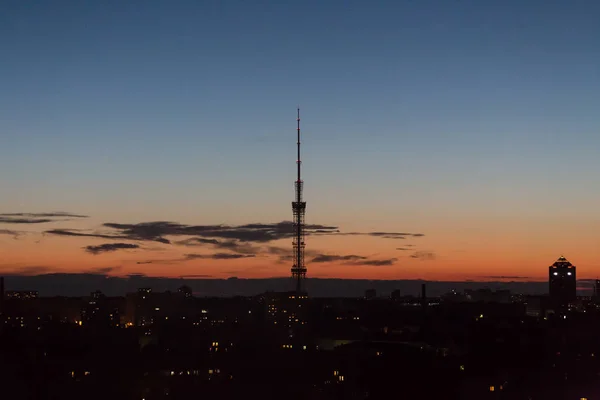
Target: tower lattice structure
[[299, 209]]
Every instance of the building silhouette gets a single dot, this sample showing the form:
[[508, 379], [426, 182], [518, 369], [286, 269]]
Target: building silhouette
[[562, 280]]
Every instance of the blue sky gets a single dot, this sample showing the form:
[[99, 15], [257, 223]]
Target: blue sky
[[185, 110]]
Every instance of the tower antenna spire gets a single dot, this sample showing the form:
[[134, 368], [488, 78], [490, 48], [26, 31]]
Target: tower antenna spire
[[299, 209]]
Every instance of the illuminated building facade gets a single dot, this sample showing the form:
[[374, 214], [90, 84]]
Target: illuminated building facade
[[286, 308], [562, 281], [21, 294]]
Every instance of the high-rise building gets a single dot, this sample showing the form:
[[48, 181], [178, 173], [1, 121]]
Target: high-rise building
[[562, 282]]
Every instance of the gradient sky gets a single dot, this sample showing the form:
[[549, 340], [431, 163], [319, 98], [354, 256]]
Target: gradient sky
[[474, 123]]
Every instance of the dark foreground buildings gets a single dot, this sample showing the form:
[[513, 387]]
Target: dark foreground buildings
[[172, 345]]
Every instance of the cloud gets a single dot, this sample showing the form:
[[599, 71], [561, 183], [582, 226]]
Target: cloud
[[36, 218], [72, 232], [156, 231], [197, 242], [423, 255], [505, 277], [108, 247], [256, 232], [403, 248], [247, 239], [231, 245], [14, 220], [279, 250], [104, 270], [325, 258], [377, 263], [395, 235], [241, 239], [218, 256], [352, 259], [383, 235], [14, 234], [44, 215]]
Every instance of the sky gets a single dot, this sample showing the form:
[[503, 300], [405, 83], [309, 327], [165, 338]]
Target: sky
[[442, 140]]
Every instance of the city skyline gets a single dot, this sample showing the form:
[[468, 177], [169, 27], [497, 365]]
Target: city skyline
[[429, 153]]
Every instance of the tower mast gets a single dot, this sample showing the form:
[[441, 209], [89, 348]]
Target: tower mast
[[299, 208]]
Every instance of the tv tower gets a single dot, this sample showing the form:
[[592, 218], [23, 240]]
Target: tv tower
[[299, 208]]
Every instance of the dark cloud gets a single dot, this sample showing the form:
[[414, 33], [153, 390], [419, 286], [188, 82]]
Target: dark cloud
[[286, 254], [15, 220], [403, 248], [384, 235], [104, 270], [395, 235], [14, 234], [352, 259], [108, 247], [279, 250], [218, 256], [505, 277], [230, 245], [325, 258], [232, 238], [284, 259], [377, 263], [144, 262], [423, 255], [36, 218], [72, 232], [157, 231], [44, 215], [197, 242]]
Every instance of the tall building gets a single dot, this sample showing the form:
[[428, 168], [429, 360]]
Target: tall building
[[562, 281]]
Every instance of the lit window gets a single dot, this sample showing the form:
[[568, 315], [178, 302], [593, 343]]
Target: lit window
[[492, 388], [341, 378], [568, 273], [336, 373], [556, 273]]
